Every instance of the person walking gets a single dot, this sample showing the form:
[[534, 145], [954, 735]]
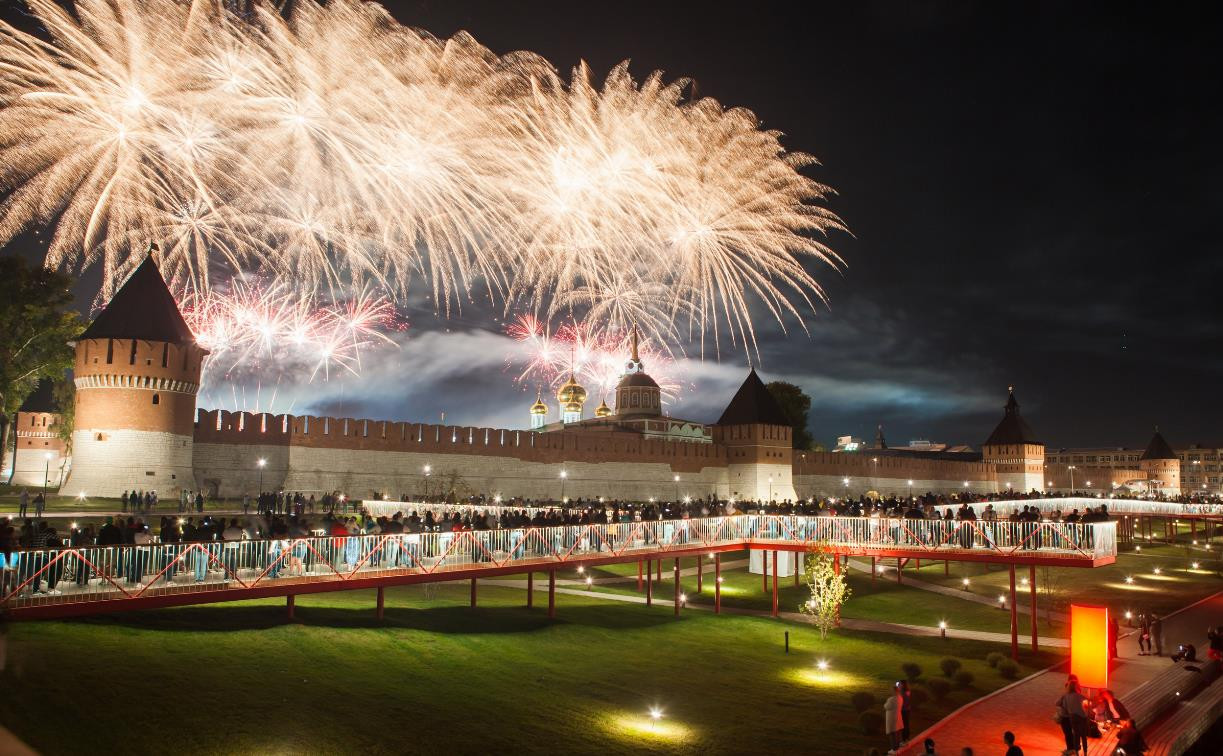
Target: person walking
[[1157, 634], [1008, 738], [1072, 716], [1144, 634]]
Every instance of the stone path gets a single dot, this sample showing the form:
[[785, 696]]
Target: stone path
[[1026, 707]]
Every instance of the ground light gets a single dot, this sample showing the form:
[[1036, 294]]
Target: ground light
[[942, 628], [651, 725], [1196, 565], [964, 582], [589, 582], [1156, 571], [1129, 579], [822, 665]]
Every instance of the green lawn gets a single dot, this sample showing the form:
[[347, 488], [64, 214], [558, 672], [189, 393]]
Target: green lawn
[[437, 675]]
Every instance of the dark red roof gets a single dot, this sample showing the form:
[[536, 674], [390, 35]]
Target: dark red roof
[[753, 404], [41, 399], [143, 308], [1013, 430], [1158, 448]]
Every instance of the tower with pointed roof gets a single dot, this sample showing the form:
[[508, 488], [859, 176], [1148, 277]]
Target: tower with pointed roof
[[1018, 457], [759, 447], [1162, 466], [39, 456], [137, 371]]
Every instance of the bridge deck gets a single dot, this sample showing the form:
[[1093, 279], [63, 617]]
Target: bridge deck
[[97, 579]]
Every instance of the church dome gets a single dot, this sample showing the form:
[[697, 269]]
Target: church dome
[[539, 408], [571, 392], [603, 410]]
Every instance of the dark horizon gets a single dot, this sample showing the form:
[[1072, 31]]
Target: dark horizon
[[1030, 190]]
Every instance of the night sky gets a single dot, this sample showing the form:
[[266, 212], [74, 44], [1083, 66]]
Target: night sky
[[1032, 188]]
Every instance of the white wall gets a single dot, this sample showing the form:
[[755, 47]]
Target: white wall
[[127, 459], [821, 486]]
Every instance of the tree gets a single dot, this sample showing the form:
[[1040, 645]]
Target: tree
[[35, 328], [796, 404], [828, 590]]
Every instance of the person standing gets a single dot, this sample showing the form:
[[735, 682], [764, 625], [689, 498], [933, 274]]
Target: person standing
[[40, 505], [23, 503], [1114, 630], [894, 722], [902, 687], [1008, 738], [1157, 634], [1144, 634]]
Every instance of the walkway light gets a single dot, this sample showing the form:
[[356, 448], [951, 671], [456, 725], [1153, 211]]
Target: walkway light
[[683, 598], [1129, 579], [1129, 615], [721, 579], [1195, 565], [655, 713], [964, 582], [581, 569], [589, 582], [1156, 571], [822, 665], [1138, 548], [1002, 600]]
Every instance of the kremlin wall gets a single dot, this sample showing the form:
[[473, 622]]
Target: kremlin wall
[[138, 369]]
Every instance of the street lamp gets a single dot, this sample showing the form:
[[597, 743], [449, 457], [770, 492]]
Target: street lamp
[[1071, 468], [910, 490], [46, 477], [770, 489], [428, 469], [262, 464], [564, 474], [677, 488]]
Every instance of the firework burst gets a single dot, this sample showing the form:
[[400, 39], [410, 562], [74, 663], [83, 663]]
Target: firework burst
[[329, 144]]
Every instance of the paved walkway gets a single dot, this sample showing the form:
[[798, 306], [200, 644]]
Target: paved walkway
[[1026, 707]]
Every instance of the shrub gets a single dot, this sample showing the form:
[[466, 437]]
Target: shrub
[[918, 696], [993, 657], [862, 700], [1008, 669], [940, 688], [963, 678], [912, 671], [871, 722], [949, 666]]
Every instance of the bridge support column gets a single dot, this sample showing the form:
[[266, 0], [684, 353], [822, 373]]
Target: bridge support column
[[1014, 618], [717, 583], [799, 560], [774, 583], [530, 589], [874, 570], [660, 572], [764, 574], [946, 568], [1032, 592], [289, 605], [381, 611], [551, 594], [639, 576], [473, 593], [899, 571], [677, 587], [649, 583]]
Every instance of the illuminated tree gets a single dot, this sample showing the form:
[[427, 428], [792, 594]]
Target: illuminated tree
[[828, 587]]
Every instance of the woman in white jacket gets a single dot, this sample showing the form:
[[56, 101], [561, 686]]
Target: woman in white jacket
[[893, 719]]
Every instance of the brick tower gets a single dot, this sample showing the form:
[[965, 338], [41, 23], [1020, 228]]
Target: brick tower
[[137, 371], [1162, 466], [757, 437], [1014, 451]]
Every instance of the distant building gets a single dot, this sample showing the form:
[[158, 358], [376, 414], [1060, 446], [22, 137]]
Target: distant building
[[40, 457]]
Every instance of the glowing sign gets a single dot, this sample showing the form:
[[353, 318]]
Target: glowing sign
[[1089, 645]]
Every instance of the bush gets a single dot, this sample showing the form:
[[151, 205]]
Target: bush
[[912, 671], [963, 678], [993, 657], [862, 700], [871, 722], [1008, 669], [918, 696], [940, 688], [949, 666]]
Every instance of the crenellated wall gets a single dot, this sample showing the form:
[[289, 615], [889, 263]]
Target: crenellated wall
[[365, 457]]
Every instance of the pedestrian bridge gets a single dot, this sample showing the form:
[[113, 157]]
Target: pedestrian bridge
[[65, 582]]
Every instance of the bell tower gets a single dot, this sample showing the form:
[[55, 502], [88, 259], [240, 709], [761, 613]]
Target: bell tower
[[137, 371]]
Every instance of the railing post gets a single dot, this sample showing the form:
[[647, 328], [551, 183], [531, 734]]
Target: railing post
[[551, 594], [530, 589], [649, 583], [1032, 591], [473, 593], [381, 611], [717, 583], [774, 583], [1014, 618], [677, 586], [289, 601]]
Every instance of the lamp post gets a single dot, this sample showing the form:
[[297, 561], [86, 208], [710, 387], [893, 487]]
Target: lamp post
[[428, 469], [677, 488], [46, 477], [910, 490], [1071, 469], [845, 481], [262, 464], [564, 474], [770, 489]]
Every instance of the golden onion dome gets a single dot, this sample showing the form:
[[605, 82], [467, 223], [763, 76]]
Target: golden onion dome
[[539, 408], [573, 408], [571, 393], [603, 410]]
